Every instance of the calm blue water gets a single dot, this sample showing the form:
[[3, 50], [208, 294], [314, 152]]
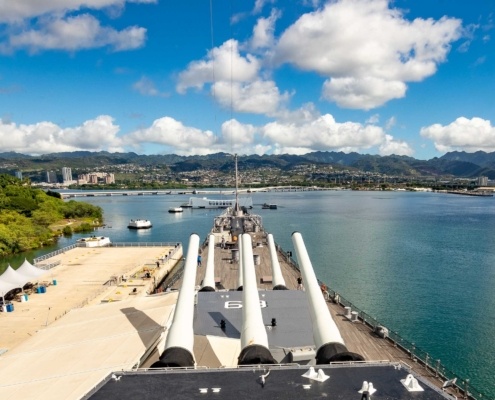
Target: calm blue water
[[421, 263]]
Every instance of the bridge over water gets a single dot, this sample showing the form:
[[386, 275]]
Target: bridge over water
[[228, 192]]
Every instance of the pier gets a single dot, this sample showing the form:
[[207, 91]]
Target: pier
[[95, 316]]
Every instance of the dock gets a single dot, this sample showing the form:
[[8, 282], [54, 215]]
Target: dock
[[94, 317]]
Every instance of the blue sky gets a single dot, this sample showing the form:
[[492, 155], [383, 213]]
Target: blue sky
[[408, 77]]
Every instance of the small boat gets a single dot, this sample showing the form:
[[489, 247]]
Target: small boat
[[175, 209], [94, 241], [139, 224], [267, 206]]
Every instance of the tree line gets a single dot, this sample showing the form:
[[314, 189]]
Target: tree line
[[27, 215]]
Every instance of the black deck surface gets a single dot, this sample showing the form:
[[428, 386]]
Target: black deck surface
[[281, 383], [288, 307]]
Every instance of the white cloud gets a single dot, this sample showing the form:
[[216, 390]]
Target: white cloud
[[367, 51], [397, 147], [16, 10], [223, 63], [75, 33], [259, 4], [390, 123], [234, 80], [259, 97], [263, 31], [238, 134], [374, 119], [463, 134], [365, 93], [47, 137], [169, 132], [241, 139], [323, 133], [305, 114], [147, 87]]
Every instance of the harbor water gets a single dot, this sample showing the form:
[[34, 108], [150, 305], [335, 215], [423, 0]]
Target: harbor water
[[423, 264]]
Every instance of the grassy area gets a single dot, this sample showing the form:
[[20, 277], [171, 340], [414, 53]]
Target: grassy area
[[73, 225]]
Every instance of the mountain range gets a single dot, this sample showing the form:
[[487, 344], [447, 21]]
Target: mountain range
[[457, 164]]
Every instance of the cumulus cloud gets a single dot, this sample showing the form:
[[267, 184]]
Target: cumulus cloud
[[74, 33], [259, 97], [234, 80], [169, 132], [463, 134], [16, 10], [397, 147], [263, 31], [323, 133], [238, 133], [147, 87], [366, 50], [47, 137], [223, 63], [365, 93]]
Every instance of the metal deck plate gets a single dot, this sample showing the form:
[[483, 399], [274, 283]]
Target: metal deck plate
[[289, 308], [282, 383]]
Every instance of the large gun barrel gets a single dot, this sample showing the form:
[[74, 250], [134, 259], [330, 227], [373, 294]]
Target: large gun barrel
[[180, 339], [329, 343], [254, 340], [209, 279], [278, 279], [240, 278]]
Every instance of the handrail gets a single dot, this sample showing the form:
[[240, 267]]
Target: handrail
[[416, 353], [54, 253], [116, 244]]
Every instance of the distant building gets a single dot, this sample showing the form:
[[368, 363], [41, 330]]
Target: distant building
[[66, 175], [51, 177], [18, 174], [109, 178], [96, 178], [482, 181]]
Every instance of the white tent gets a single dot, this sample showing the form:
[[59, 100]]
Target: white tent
[[6, 287], [10, 280], [29, 270], [10, 275]]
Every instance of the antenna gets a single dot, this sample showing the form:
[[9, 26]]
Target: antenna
[[236, 187]]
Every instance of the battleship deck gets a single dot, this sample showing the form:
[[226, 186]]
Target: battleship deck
[[359, 337]]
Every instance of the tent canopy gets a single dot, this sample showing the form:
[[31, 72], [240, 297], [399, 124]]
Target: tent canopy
[[29, 270], [12, 279]]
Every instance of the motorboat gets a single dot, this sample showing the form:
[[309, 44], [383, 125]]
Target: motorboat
[[267, 206], [139, 224], [175, 210]]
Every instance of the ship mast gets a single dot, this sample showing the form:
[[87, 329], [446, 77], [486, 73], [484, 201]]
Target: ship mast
[[237, 209]]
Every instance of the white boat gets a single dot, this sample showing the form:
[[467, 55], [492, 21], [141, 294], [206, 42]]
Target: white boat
[[175, 210], [204, 202], [139, 224], [94, 241]]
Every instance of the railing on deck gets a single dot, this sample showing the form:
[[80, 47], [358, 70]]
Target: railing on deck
[[54, 253], [37, 260], [416, 354], [144, 244]]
